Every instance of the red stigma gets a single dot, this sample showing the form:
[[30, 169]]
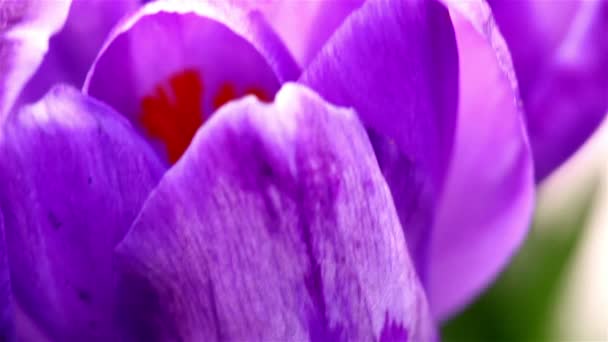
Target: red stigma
[[174, 116], [175, 121], [225, 94], [259, 93]]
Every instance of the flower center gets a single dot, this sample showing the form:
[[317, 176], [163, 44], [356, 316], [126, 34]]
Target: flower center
[[174, 116]]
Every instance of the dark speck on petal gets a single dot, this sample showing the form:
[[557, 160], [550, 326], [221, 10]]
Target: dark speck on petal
[[84, 296]]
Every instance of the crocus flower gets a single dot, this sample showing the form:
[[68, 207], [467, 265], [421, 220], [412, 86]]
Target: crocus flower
[[203, 185]]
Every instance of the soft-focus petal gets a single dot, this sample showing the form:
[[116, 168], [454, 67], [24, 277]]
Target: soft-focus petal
[[304, 26], [72, 51], [277, 225], [560, 54], [488, 199], [74, 175], [25, 28], [395, 62], [6, 307], [172, 64]]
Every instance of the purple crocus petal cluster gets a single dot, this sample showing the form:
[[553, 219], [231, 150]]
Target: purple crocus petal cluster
[[204, 184], [232, 52]]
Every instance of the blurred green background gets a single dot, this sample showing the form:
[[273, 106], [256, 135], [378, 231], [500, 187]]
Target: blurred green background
[[556, 287]]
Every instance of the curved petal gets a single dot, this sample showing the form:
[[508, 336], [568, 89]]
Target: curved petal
[[560, 53], [74, 175], [395, 62], [72, 51], [25, 28], [304, 245], [488, 199], [172, 64], [304, 26]]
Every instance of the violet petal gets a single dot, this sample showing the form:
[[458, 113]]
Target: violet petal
[[275, 225], [560, 54], [396, 63], [487, 204], [72, 50], [25, 29], [304, 26], [7, 323], [74, 176]]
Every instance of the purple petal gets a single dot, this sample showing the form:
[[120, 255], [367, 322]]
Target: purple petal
[[189, 57], [276, 225], [7, 327], [74, 176], [560, 53], [25, 28], [72, 51], [305, 26], [489, 194], [395, 62]]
